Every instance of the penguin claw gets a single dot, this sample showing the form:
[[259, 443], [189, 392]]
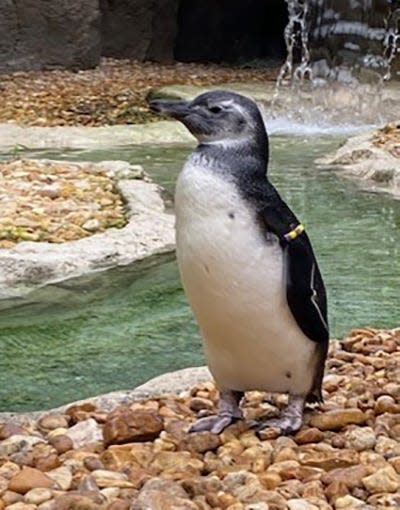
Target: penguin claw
[[214, 424], [287, 424]]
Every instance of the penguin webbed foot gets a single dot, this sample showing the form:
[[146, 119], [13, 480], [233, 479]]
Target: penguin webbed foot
[[215, 423], [291, 418], [228, 413]]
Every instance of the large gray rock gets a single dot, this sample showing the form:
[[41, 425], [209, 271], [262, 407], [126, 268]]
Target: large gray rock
[[139, 29], [37, 34]]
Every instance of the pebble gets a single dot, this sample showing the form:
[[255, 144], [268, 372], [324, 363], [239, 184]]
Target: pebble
[[29, 478], [309, 435], [361, 438], [62, 476], [351, 503], [18, 443], [85, 432], [300, 504], [22, 506], [140, 456], [61, 443], [56, 202], [38, 496], [125, 425], [53, 421], [337, 419], [383, 480]]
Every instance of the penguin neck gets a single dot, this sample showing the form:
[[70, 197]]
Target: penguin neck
[[234, 156]]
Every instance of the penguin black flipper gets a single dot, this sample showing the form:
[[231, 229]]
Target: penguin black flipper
[[305, 288]]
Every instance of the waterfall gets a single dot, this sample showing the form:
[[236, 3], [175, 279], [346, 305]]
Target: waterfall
[[341, 41], [340, 54]]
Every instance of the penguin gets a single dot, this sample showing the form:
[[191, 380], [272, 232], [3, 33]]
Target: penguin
[[247, 265]]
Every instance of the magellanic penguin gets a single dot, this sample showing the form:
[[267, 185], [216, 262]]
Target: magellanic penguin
[[246, 263]]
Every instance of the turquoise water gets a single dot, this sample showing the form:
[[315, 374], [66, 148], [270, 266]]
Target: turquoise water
[[119, 328]]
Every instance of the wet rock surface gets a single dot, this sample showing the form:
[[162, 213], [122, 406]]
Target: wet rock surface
[[139, 455], [373, 159]]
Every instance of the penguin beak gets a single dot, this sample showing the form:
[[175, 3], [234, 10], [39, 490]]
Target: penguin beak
[[175, 109]]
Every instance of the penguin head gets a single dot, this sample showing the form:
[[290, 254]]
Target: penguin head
[[217, 117]]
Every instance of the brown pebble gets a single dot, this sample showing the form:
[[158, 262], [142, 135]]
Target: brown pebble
[[53, 421], [48, 462], [11, 497], [61, 443], [119, 504], [125, 425], [29, 478], [92, 463], [337, 419], [310, 435], [336, 490], [11, 429]]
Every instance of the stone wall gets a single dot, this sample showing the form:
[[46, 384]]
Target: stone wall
[[37, 34], [73, 34], [139, 29]]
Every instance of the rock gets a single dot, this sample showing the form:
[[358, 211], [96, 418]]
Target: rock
[[75, 44], [330, 459], [176, 462], [38, 496], [22, 506], [26, 266], [300, 504], [62, 476], [105, 478], [11, 429], [124, 425], [338, 418], [386, 404], [9, 469], [119, 504], [53, 421], [154, 35], [85, 432], [92, 463], [350, 503], [350, 476], [61, 443], [17, 443], [92, 225], [158, 494], [201, 442], [75, 502], [11, 497], [361, 438], [383, 480], [336, 490], [3, 485], [29, 478], [199, 403], [309, 435]]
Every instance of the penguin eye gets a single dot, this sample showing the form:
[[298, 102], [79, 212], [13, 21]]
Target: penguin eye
[[215, 109]]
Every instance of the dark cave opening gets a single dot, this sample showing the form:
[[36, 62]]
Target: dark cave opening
[[240, 32]]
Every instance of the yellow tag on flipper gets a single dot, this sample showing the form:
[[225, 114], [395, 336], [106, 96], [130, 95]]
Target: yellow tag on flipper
[[293, 234]]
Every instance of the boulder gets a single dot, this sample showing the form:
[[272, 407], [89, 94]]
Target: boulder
[[36, 34]]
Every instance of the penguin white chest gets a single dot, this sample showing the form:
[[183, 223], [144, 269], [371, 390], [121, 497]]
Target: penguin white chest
[[233, 276]]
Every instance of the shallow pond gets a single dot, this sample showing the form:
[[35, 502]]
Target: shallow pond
[[117, 329]]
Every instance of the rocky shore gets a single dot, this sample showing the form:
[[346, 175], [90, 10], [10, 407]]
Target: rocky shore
[[139, 456], [62, 220], [372, 159]]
